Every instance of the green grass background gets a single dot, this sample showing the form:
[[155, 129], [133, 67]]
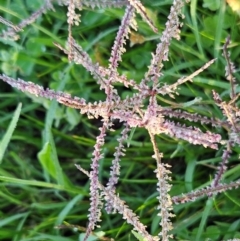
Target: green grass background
[[40, 187]]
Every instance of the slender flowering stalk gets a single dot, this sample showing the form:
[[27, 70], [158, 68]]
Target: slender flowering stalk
[[141, 109], [142, 11], [9, 24], [96, 204], [123, 209], [165, 202], [115, 168], [11, 33], [208, 191], [171, 31]]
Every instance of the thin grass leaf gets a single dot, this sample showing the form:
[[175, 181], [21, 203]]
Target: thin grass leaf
[[11, 199], [193, 10], [130, 137], [18, 181], [7, 137], [219, 29], [20, 225], [63, 214], [43, 236], [48, 155], [189, 174], [49, 160], [10, 219], [138, 236], [205, 216]]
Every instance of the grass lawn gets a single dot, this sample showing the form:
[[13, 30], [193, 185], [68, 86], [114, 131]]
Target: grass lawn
[[42, 194]]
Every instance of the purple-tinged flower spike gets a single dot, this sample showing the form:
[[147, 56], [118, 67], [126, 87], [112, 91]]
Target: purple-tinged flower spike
[[120, 41], [222, 168], [172, 30], [123, 209], [95, 196], [37, 90], [118, 49], [115, 168], [169, 89], [171, 113], [208, 191], [231, 113], [99, 3], [98, 72], [142, 11], [10, 24], [165, 203], [229, 69], [79, 56], [72, 19], [11, 33], [192, 135]]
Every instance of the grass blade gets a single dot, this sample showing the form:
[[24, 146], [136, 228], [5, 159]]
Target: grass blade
[[7, 137]]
